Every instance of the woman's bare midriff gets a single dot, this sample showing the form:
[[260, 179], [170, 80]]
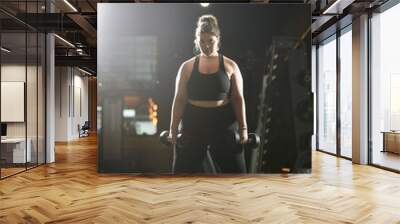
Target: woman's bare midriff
[[213, 103]]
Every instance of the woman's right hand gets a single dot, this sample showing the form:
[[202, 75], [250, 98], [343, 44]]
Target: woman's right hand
[[172, 137]]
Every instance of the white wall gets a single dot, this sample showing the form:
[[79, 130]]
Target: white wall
[[79, 117], [61, 103], [70, 94], [16, 73], [33, 126]]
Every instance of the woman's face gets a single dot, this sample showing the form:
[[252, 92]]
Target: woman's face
[[208, 43]]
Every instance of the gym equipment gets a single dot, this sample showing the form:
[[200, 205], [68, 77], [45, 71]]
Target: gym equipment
[[164, 138], [252, 143], [285, 111]]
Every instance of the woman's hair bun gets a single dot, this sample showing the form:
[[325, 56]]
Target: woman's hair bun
[[208, 19], [207, 24]]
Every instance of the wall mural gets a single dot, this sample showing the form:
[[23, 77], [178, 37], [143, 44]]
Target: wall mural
[[186, 89]]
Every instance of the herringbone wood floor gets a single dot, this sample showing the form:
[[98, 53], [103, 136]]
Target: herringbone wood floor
[[71, 191]]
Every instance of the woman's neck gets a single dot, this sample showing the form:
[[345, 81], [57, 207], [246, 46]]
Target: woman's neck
[[215, 54]]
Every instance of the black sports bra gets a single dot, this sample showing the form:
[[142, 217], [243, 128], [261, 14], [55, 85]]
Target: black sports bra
[[214, 86]]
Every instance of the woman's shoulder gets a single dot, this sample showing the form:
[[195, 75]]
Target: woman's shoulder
[[188, 64], [189, 61], [229, 63], [187, 67]]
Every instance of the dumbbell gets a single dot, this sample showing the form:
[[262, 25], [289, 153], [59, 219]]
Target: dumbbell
[[164, 138], [253, 140]]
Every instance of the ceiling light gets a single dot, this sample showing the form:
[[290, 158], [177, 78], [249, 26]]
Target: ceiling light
[[204, 4], [5, 50], [65, 41], [84, 71], [70, 5], [332, 8]]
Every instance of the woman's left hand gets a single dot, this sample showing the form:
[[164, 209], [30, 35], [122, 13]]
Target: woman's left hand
[[243, 136]]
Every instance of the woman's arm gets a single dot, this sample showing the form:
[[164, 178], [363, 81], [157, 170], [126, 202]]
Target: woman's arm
[[238, 102], [179, 102]]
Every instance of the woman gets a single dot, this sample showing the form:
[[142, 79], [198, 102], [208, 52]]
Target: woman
[[209, 101]]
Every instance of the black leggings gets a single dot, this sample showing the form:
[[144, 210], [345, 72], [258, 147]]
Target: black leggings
[[209, 129]]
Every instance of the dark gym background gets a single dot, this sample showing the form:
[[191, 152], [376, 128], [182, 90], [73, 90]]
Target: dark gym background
[[140, 48]]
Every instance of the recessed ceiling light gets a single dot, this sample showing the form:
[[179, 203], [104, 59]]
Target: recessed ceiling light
[[5, 50], [333, 8], [84, 71], [205, 4], [70, 5], [64, 40]]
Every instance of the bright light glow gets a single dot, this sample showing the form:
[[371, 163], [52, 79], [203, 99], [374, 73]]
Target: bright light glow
[[70, 5], [79, 51], [146, 127], [5, 50], [346, 93], [128, 113], [84, 71], [386, 72], [395, 93], [385, 81], [64, 40], [327, 96], [204, 4]]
